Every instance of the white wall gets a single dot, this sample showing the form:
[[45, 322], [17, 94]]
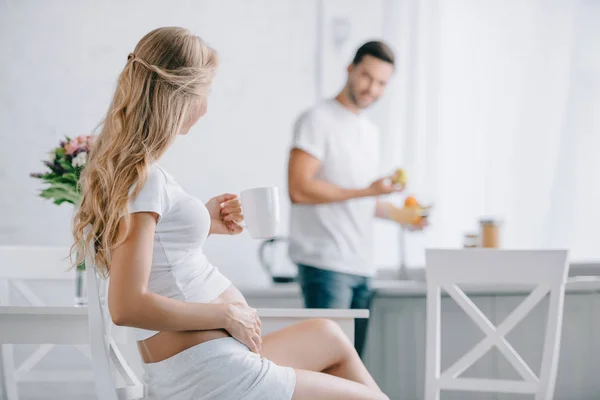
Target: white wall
[[502, 120]]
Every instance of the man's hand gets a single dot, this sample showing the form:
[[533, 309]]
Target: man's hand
[[418, 226], [384, 186], [413, 218]]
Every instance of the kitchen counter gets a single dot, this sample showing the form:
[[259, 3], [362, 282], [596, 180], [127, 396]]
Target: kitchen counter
[[408, 288]]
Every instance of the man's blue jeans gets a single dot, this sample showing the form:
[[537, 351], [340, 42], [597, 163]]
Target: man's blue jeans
[[323, 288]]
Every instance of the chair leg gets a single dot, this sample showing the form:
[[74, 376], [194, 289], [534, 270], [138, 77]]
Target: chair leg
[[8, 372], [432, 351], [6, 352]]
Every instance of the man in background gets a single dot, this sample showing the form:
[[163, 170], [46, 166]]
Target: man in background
[[334, 181]]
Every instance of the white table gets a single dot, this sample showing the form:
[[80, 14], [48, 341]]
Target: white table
[[69, 325], [43, 324]]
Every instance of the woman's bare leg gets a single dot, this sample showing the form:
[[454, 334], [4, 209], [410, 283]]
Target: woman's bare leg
[[312, 385], [318, 345]]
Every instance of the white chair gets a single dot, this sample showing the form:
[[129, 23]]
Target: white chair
[[106, 356], [545, 270], [18, 265]]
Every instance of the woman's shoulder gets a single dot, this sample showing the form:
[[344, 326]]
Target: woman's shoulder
[[161, 172], [152, 195], [157, 180], [157, 177]]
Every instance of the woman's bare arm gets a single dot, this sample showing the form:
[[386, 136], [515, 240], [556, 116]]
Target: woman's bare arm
[[129, 301]]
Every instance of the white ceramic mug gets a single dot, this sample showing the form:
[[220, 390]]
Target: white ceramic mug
[[261, 211]]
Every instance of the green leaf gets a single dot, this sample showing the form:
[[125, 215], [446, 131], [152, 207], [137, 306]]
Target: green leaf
[[64, 163], [62, 186], [68, 178], [58, 202], [60, 193], [45, 176], [54, 179]]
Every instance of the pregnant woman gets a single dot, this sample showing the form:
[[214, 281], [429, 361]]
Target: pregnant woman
[[196, 334]]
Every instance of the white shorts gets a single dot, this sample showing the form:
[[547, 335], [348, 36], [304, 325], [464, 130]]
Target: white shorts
[[220, 369]]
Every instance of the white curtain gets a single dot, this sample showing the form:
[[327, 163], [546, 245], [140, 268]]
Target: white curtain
[[499, 105]]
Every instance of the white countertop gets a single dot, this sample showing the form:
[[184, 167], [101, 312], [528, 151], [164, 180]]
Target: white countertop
[[409, 288], [58, 311]]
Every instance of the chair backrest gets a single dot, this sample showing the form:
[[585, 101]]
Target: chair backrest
[[105, 353], [19, 265], [35, 262], [544, 270]]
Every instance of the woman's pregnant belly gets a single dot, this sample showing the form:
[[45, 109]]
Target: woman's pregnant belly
[[166, 344]]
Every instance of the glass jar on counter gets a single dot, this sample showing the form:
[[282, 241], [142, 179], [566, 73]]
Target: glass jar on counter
[[490, 233], [470, 240]]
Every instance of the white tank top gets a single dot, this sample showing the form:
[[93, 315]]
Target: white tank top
[[180, 269]]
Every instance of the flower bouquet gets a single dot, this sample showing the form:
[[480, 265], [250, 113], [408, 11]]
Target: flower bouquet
[[65, 165]]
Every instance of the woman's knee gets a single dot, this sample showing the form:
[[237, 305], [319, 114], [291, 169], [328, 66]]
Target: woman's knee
[[332, 331]]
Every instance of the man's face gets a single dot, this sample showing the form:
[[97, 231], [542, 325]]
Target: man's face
[[367, 79]]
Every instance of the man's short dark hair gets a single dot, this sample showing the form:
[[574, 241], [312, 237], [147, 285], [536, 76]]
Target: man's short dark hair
[[375, 49]]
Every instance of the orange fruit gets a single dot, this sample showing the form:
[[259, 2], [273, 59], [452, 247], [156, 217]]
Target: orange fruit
[[411, 201]]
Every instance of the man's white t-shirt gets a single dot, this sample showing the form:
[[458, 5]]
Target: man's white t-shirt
[[337, 236]]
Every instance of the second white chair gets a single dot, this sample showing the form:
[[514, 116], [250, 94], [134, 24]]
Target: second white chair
[[546, 271]]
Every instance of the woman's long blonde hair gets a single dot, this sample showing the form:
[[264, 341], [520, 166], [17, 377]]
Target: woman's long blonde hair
[[167, 75]]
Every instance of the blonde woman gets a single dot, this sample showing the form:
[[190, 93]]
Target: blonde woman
[[197, 336]]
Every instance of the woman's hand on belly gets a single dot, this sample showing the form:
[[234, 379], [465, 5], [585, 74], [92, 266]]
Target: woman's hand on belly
[[243, 325], [166, 344]]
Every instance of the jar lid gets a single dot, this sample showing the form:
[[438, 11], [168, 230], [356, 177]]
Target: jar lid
[[490, 221]]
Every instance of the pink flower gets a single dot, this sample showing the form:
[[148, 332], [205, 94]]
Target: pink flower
[[82, 139], [71, 147], [90, 141]]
